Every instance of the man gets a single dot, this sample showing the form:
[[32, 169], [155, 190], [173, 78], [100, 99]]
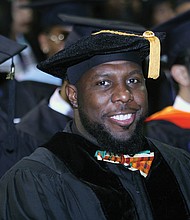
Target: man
[[65, 180], [171, 125], [51, 115]]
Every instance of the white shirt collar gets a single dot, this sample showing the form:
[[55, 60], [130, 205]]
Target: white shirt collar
[[181, 104], [57, 103]]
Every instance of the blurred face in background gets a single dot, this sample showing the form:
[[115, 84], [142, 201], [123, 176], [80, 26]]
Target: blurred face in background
[[21, 17], [53, 40], [183, 7], [162, 12]]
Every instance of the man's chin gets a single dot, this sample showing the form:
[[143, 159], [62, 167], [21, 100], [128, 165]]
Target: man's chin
[[122, 134], [125, 141]]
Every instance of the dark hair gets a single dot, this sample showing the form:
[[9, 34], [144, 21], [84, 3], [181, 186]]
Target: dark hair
[[183, 58]]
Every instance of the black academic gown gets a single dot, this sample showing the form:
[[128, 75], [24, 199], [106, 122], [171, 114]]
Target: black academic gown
[[168, 133], [37, 127], [63, 180], [3, 125], [27, 95], [42, 122], [162, 93], [13, 145], [13, 148]]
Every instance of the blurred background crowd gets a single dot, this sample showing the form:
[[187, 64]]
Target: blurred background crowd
[[38, 109]]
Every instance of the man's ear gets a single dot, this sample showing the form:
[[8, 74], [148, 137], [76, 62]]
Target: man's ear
[[71, 92]]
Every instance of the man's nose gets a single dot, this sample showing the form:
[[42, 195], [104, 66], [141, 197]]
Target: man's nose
[[122, 94]]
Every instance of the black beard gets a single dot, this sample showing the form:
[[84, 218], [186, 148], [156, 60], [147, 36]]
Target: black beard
[[132, 146]]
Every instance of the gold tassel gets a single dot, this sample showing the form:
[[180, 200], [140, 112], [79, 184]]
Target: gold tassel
[[154, 55], [11, 74]]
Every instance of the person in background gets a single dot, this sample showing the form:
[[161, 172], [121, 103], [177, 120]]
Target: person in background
[[182, 6], [171, 125], [157, 11], [48, 117], [8, 50], [126, 11], [52, 37], [87, 171], [21, 143], [9, 140], [15, 144], [32, 85], [23, 29]]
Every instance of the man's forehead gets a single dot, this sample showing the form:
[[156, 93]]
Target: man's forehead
[[119, 62], [113, 67], [114, 63]]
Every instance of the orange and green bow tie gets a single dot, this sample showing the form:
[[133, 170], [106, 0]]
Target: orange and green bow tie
[[141, 161]]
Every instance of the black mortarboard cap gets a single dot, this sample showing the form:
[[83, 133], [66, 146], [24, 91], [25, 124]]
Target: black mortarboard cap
[[177, 41], [97, 23], [50, 3], [101, 47], [49, 9], [9, 48], [83, 26]]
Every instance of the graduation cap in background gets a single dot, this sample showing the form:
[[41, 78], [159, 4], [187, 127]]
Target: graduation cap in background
[[8, 49], [93, 45], [177, 44], [84, 26], [100, 23], [49, 9], [71, 7], [49, 3]]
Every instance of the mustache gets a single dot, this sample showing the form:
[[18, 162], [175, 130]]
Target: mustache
[[123, 108]]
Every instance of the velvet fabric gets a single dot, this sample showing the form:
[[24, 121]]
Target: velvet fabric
[[63, 180], [78, 156], [162, 192], [168, 133], [87, 47]]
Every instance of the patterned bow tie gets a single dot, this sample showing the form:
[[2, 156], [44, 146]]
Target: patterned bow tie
[[141, 161]]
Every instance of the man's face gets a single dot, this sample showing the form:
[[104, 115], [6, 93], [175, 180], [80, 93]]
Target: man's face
[[112, 99]]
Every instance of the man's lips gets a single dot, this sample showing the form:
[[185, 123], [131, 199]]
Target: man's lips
[[123, 119]]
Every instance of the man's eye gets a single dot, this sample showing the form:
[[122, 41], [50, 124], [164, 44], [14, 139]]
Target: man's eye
[[130, 81], [103, 83]]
